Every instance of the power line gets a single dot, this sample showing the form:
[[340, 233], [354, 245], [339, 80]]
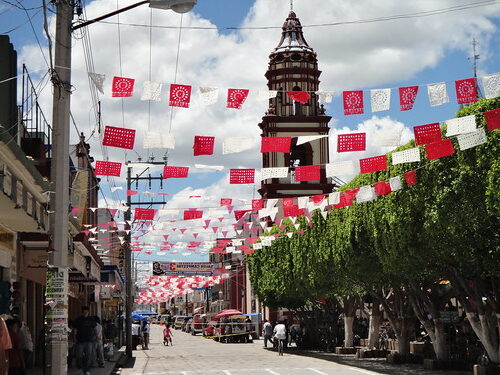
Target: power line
[[338, 23], [22, 24]]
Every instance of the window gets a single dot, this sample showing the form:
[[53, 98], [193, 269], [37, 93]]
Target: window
[[297, 107]]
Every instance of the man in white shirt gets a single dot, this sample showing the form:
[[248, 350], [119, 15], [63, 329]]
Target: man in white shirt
[[280, 335]]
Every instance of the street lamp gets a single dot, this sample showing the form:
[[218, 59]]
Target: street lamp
[[56, 338]]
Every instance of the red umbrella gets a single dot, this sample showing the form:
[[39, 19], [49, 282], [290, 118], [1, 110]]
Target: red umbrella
[[230, 312]]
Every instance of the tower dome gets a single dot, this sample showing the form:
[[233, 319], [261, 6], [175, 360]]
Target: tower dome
[[292, 38]]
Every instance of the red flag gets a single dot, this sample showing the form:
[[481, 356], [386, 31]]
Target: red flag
[[131, 192], [236, 98], [144, 214], [345, 200], [226, 201], [466, 90], [203, 145], [411, 178], [374, 164], [318, 198], [122, 87], [351, 142], [299, 96], [175, 172], [293, 210], [407, 96], [276, 144], [239, 214], [307, 173], [119, 137], [241, 176], [353, 102], [382, 188], [439, 149], [192, 214], [107, 168], [425, 134], [257, 204], [492, 119], [288, 202], [180, 95]]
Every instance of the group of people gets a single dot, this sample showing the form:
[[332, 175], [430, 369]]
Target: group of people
[[16, 345], [140, 334], [86, 342]]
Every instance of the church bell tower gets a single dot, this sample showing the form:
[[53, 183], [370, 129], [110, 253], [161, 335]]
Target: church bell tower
[[293, 66]]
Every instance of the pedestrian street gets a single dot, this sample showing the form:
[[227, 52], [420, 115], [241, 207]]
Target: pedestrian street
[[195, 355]]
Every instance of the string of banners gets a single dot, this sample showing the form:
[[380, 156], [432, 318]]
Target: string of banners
[[428, 135], [304, 206], [466, 91]]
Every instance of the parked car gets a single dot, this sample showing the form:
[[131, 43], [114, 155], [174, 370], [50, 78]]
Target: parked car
[[199, 323], [209, 328], [179, 320]]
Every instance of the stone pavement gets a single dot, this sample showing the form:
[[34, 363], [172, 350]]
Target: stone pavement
[[195, 355], [108, 368]]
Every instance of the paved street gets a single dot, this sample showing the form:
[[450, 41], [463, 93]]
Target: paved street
[[195, 355]]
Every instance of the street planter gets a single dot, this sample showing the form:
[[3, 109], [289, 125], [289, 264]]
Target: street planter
[[343, 350], [434, 364], [371, 353], [486, 370]]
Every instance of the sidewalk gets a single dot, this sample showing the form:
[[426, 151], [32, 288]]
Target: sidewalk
[[378, 365], [108, 368]]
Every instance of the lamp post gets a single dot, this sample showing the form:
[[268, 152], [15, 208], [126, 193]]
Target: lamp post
[[56, 336]]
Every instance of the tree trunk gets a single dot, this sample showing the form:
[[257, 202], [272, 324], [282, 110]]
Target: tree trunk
[[374, 328], [485, 328], [439, 342], [349, 336], [403, 336]]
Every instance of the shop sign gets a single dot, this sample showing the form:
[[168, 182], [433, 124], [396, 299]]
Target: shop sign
[[35, 258], [182, 268], [105, 293], [449, 317]]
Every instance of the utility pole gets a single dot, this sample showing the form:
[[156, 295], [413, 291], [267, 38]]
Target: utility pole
[[129, 295], [128, 272], [56, 318]]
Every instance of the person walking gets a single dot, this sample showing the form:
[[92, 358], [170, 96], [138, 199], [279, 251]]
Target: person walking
[[98, 349], [280, 335], [145, 335], [85, 333], [267, 332], [26, 344], [167, 335], [15, 354]]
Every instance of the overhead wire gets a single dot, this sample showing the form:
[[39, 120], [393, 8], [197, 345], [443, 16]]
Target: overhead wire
[[338, 23]]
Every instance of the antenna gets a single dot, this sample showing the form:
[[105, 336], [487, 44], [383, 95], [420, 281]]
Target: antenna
[[475, 56]]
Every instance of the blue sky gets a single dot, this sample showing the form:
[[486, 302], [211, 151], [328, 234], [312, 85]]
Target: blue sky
[[346, 54]]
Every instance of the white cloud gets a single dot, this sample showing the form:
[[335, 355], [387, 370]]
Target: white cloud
[[352, 56]]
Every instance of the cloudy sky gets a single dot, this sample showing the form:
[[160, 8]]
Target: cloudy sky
[[371, 44]]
